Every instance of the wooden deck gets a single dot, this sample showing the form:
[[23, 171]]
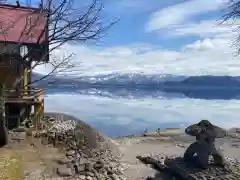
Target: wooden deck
[[33, 96], [25, 101]]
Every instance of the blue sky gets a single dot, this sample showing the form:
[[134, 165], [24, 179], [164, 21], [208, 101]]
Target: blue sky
[[179, 37]]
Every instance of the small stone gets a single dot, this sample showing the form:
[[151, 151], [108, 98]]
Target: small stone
[[122, 178], [181, 145], [110, 172], [88, 167], [89, 178], [90, 174], [63, 161], [79, 168], [101, 162], [236, 145], [64, 171], [114, 177], [51, 119], [98, 165], [120, 171], [70, 153], [82, 177]]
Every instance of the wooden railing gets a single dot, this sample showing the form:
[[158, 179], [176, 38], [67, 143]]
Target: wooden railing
[[25, 95]]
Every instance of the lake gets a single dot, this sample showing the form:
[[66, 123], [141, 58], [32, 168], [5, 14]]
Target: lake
[[124, 106]]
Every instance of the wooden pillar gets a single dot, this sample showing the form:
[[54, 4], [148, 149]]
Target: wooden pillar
[[6, 114], [25, 81], [2, 104], [37, 114], [42, 108]]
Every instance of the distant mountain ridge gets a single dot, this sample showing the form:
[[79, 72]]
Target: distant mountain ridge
[[140, 81], [151, 86]]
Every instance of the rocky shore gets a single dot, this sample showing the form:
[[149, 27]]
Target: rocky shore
[[88, 154]]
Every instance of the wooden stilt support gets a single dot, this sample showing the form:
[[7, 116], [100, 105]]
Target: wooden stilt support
[[6, 115], [35, 116], [2, 104], [25, 81], [3, 129]]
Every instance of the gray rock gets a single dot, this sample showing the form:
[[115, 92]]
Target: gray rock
[[98, 165], [235, 145], [81, 177], [89, 178], [63, 161], [64, 171], [119, 171], [95, 172], [114, 177], [91, 174], [79, 168], [110, 171], [70, 153], [88, 166], [181, 145]]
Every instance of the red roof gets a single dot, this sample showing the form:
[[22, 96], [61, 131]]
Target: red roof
[[22, 25]]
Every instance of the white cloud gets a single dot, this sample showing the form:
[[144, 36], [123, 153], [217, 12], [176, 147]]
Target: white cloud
[[204, 28], [153, 111], [180, 13], [208, 56]]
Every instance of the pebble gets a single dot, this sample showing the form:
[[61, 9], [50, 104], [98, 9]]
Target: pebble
[[64, 171], [88, 167], [114, 177], [63, 161], [91, 174], [70, 153], [181, 145], [82, 177], [236, 145], [79, 168], [89, 178], [98, 166]]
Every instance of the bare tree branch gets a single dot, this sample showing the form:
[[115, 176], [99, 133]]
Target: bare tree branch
[[64, 23], [231, 18]]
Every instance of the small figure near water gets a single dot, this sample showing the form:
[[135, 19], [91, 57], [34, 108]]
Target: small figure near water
[[204, 146], [145, 132]]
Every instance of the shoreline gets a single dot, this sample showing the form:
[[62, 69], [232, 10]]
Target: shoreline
[[152, 133]]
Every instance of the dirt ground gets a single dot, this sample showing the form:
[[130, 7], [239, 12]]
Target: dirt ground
[[28, 159]]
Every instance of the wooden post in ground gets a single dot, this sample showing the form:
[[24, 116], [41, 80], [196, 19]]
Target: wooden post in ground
[[35, 116], [2, 105], [3, 129]]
